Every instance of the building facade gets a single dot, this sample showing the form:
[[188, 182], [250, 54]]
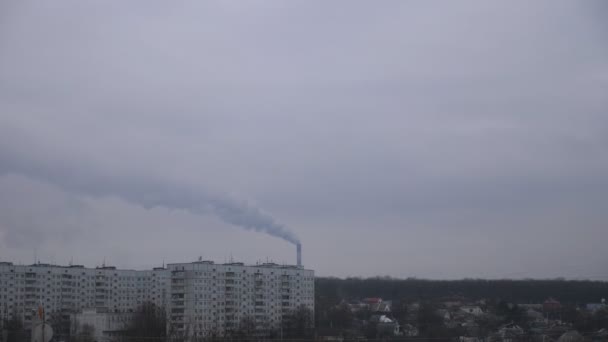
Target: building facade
[[105, 325], [65, 290], [215, 299], [201, 298]]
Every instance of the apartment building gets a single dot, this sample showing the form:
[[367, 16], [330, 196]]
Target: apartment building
[[201, 298], [209, 298], [63, 290]]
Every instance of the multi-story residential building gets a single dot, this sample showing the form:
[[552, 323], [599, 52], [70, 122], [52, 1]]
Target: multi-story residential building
[[201, 298], [209, 298], [64, 290]]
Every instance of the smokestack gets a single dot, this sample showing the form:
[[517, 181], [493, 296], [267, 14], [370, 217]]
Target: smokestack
[[299, 253]]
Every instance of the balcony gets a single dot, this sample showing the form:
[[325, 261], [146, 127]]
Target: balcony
[[178, 274], [177, 290]]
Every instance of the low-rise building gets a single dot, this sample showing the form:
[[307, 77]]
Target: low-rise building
[[472, 310], [103, 325]]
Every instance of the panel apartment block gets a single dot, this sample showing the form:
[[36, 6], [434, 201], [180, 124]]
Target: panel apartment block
[[208, 298]]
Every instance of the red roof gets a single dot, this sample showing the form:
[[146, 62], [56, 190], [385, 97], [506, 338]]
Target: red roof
[[373, 300]]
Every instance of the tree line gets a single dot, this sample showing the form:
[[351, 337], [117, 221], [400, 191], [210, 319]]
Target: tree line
[[517, 291]]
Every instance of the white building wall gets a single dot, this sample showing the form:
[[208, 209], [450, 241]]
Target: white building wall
[[64, 290], [201, 298], [209, 298], [106, 325]]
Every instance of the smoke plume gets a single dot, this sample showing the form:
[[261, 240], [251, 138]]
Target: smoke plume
[[144, 191]]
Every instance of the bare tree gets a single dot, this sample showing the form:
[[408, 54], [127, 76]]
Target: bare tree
[[14, 330], [299, 323], [84, 333], [148, 323]]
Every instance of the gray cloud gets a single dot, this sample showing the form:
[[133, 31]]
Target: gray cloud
[[451, 130]]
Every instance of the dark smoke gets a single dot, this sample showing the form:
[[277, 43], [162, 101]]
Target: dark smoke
[[144, 191]]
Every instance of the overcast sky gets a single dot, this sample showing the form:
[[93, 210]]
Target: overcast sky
[[403, 138]]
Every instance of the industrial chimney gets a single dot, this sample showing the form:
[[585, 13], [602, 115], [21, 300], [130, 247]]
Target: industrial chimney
[[299, 254]]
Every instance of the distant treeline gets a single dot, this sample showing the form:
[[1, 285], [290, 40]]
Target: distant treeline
[[330, 290]]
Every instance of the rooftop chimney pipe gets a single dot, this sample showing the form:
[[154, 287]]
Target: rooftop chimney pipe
[[299, 253]]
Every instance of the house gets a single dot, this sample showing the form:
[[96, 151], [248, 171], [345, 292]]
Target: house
[[551, 304], [534, 315], [469, 339], [531, 306], [409, 330], [380, 319], [372, 300], [471, 327], [357, 306], [389, 329], [571, 336], [555, 331], [386, 326], [381, 307], [600, 335], [472, 309], [510, 331], [444, 314], [593, 307], [452, 304]]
